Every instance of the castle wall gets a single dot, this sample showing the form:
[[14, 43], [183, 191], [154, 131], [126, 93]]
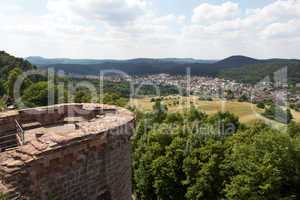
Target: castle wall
[[94, 167]]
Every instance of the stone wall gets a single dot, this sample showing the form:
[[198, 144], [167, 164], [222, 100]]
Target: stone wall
[[95, 166]]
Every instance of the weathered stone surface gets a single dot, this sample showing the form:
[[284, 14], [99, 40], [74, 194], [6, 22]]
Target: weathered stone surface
[[38, 145], [86, 156]]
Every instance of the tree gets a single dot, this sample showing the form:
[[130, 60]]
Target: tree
[[225, 123], [11, 80], [279, 114], [3, 196], [243, 98], [160, 111], [262, 164], [2, 88], [294, 129], [203, 169], [114, 98], [229, 95], [38, 93], [194, 115], [257, 162], [168, 173], [147, 149], [2, 104], [174, 118], [82, 96], [261, 105]]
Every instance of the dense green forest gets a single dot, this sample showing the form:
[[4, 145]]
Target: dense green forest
[[10, 69], [257, 72], [192, 156], [8, 63]]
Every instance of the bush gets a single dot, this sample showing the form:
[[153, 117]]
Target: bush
[[243, 98], [83, 96], [2, 105], [261, 105], [115, 99], [207, 98], [278, 114], [3, 196], [37, 95]]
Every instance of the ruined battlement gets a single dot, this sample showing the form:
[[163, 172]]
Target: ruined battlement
[[68, 151]]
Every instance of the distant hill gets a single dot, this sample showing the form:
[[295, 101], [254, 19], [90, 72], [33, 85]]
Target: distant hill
[[237, 61], [188, 60], [240, 68], [143, 66], [257, 72], [40, 61]]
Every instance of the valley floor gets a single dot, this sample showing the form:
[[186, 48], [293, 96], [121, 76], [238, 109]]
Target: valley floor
[[247, 112]]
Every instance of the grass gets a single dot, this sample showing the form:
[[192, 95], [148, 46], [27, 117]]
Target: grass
[[248, 113], [296, 116]]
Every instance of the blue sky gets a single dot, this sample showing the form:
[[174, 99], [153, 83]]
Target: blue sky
[[150, 28], [185, 7]]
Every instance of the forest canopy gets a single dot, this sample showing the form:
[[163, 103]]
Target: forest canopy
[[173, 160]]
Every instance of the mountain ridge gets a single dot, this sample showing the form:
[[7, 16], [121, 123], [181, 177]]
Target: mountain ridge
[[145, 66], [173, 66], [41, 61], [237, 67]]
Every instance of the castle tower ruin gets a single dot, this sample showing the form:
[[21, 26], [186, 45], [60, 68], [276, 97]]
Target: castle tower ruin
[[66, 152]]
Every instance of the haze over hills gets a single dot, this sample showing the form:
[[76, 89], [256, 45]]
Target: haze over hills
[[240, 68], [41, 61], [234, 67], [142, 66]]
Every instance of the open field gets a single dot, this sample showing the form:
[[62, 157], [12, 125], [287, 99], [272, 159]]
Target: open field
[[247, 112]]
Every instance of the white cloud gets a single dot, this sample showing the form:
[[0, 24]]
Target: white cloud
[[255, 32], [206, 13], [9, 7], [282, 30], [132, 28], [114, 12]]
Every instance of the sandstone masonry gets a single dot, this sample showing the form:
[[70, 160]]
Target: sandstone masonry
[[66, 152]]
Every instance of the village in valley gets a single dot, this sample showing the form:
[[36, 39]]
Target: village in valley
[[208, 88], [212, 95]]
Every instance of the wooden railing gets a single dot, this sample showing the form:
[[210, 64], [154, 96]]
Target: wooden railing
[[20, 133]]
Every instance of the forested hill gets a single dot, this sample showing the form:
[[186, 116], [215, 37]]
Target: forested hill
[[156, 66], [237, 61], [257, 72], [240, 68], [9, 62], [10, 68]]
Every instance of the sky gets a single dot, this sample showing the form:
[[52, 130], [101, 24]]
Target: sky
[[122, 29]]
